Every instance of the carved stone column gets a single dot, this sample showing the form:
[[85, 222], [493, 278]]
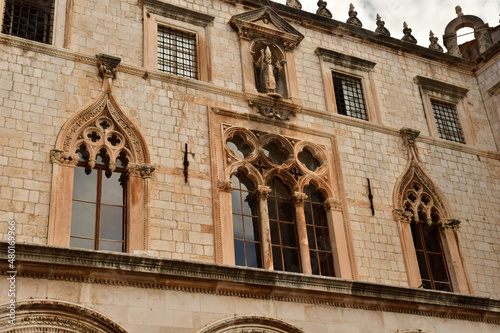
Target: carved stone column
[[63, 169], [404, 219], [338, 236], [298, 202], [226, 219], [262, 193]]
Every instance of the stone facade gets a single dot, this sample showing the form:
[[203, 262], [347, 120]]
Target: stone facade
[[180, 213]]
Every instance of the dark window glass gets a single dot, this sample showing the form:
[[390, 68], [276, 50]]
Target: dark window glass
[[447, 121], [246, 228], [308, 159], [349, 96], [239, 147], [318, 236], [283, 228], [430, 256], [274, 153], [177, 52], [30, 19], [98, 206]]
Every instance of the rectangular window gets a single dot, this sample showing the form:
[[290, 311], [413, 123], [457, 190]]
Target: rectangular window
[[30, 19], [349, 96], [447, 122], [177, 52]]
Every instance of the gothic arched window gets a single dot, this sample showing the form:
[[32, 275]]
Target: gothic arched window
[[247, 246]]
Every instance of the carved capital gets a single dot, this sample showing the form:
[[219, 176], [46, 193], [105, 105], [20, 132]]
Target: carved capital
[[402, 216], [262, 192], [108, 65], [333, 204], [299, 198], [452, 224], [225, 185], [63, 158], [140, 170]]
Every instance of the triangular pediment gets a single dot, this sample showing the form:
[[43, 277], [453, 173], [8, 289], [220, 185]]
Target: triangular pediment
[[266, 23]]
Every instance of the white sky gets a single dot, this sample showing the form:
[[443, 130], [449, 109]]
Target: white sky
[[421, 15]]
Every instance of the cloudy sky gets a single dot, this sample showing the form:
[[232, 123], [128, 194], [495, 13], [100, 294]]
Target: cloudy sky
[[421, 15]]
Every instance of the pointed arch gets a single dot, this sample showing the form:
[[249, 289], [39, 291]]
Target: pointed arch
[[427, 229], [102, 125], [56, 316]]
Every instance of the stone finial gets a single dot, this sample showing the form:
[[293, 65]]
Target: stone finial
[[108, 65], [458, 10], [353, 19], [294, 4], [434, 45], [322, 9], [380, 27], [408, 37]]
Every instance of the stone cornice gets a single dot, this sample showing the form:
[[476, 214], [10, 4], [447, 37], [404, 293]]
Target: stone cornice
[[441, 87], [177, 13], [345, 60], [210, 88], [149, 272]]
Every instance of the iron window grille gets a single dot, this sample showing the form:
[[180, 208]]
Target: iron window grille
[[177, 52], [349, 96], [447, 121], [30, 19]]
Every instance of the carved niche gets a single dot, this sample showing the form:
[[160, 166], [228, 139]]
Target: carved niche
[[267, 42]]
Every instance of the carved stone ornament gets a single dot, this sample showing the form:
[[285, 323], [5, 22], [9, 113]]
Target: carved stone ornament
[[108, 65], [61, 157], [381, 29], [274, 108], [402, 216], [409, 136], [353, 19], [322, 10], [408, 37], [262, 192], [225, 185], [54, 316], [299, 198], [412, 331], [294, 4], [434, 43], [452, 224], [333, 204], [265, 23], [142, 170]]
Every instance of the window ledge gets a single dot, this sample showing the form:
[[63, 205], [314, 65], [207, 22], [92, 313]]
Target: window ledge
[[177, 13]]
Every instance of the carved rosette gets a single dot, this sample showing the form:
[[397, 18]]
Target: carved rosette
[[225, 185], [140, 170], [449, 224], [402, 216], [62, 158]]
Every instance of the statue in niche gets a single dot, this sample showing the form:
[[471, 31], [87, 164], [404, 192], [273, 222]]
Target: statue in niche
[[267, 74]]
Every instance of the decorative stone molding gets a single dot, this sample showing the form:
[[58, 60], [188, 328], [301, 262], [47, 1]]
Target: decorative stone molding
[[452, 224], [278, 109], [409, 136], [440, 87], [345, 60], [177, 13], [402, 216], [412, 331], [56, 316], [250, 324], [299, 198], [434, 43], [141, 170], [408, 37], [322, 10], [266, 23], [294, 4], [108, 65], [225, 185], [381, 29], [353, 19], [63, 158], [495, 90]]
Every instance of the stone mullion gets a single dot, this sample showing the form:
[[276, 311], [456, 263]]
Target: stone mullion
[[262, 194], [300, 222], [226, 218]]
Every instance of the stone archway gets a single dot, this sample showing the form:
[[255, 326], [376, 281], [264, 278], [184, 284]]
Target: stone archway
[[56, 317], [250, 324]]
